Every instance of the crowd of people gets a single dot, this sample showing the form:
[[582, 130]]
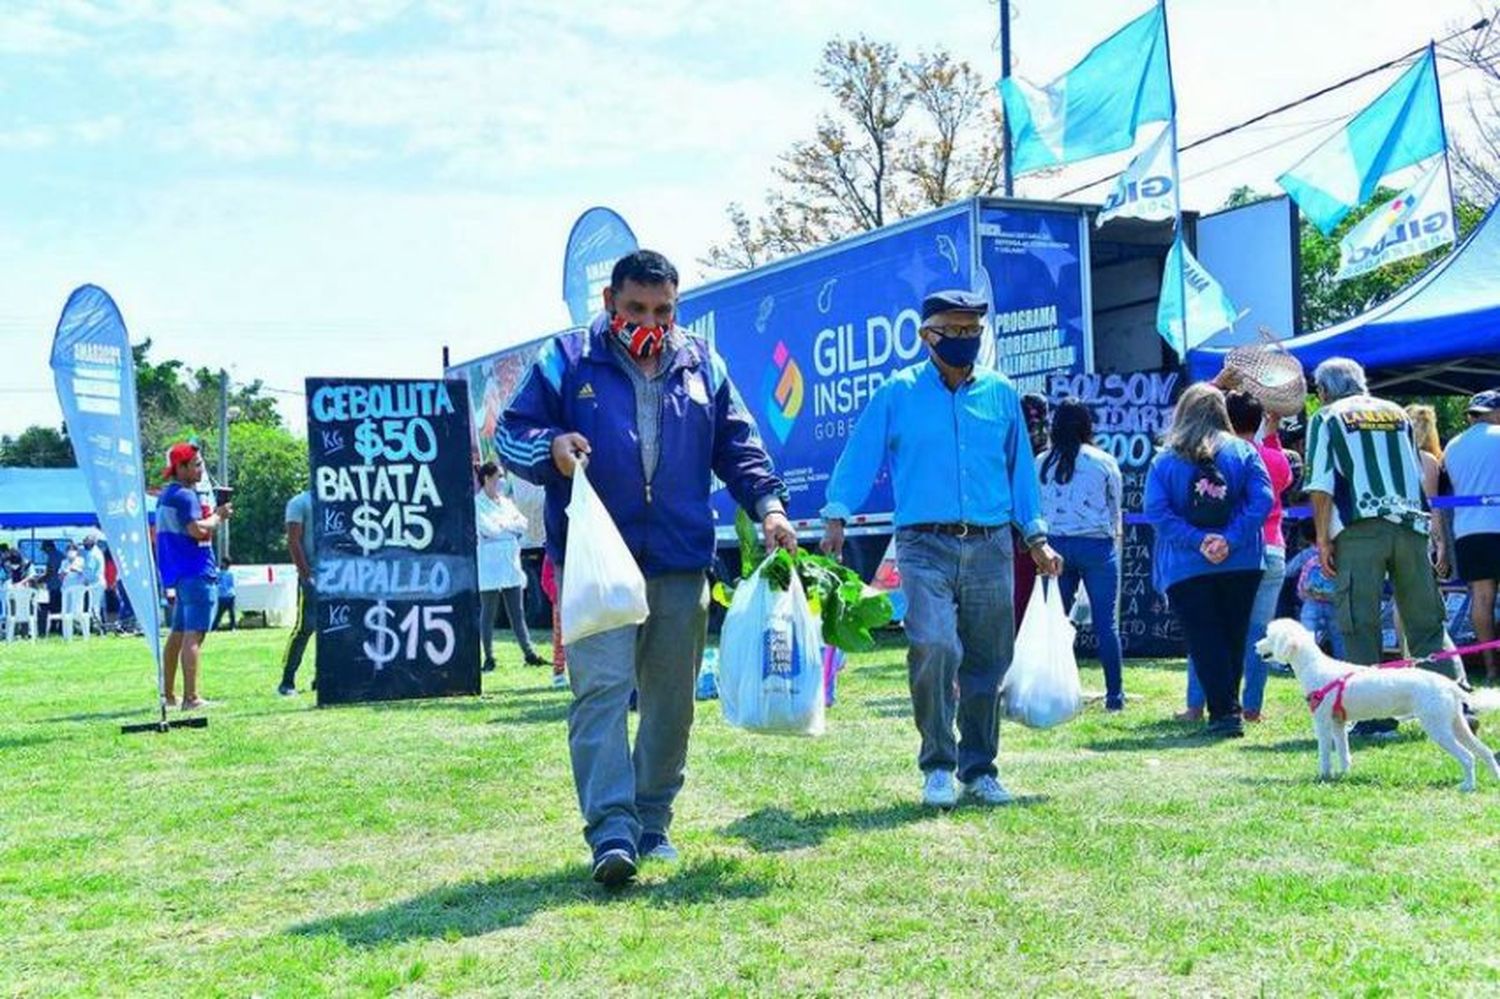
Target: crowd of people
[[994, 493], [81, 573]]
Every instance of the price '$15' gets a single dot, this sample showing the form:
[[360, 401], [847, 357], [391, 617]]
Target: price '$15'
[[424, 632]]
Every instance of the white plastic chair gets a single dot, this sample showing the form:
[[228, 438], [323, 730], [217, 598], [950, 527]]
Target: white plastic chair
[[20, 610], [73, 614]]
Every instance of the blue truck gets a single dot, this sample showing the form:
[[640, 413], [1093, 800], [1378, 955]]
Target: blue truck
[[809, 338]]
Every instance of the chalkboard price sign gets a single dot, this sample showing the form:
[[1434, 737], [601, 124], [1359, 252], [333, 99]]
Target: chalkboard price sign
[[393, 509], [1130, 413]]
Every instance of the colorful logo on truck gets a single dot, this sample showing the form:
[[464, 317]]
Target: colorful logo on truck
[[782, 391]]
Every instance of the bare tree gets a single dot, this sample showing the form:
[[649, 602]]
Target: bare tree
[[1476, 163], [905, 136]]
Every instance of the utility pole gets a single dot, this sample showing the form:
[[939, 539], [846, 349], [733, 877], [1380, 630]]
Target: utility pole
[[1010, 180], [223, 535]]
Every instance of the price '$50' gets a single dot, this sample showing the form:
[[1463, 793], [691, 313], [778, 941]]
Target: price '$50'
[[425, 631]]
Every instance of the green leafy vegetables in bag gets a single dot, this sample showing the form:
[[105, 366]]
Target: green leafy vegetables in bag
[[849, 609]]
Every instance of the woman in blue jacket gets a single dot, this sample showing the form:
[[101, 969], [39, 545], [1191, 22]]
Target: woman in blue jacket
[[1207, 496]]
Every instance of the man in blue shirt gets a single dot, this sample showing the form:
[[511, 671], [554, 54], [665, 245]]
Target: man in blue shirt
[[954, 438], [185, 528]]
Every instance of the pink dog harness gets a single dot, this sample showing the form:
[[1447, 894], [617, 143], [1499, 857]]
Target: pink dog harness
[[1334, 687]]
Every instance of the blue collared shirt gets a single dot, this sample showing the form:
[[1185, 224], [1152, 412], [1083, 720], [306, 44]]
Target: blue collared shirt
[[954, 456]]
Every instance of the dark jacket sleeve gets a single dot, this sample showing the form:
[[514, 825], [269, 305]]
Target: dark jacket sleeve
[[740, 459], [533, 419]]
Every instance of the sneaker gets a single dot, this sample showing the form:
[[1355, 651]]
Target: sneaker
[[287, 690], [940, 789], [1229, 727], [197, 704], [656, 846], [987, 791], [1115, 703], [532, 659], [614, 863], [559, 681], [1189, 715], [1252, 716], [488, 667]]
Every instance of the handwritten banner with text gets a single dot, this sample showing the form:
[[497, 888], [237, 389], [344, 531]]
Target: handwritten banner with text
[[1130, 413], [393, 508]]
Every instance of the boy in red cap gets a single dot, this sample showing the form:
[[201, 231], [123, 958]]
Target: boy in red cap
[[185, 528]]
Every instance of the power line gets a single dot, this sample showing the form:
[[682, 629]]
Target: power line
[[1230, 130]]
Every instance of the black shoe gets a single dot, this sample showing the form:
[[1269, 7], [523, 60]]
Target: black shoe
[[488, 667], [614, 863], [1228, 727], [1375, 728], [533, 659]]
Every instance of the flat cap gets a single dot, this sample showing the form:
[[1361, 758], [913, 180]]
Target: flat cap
[[953, 300]]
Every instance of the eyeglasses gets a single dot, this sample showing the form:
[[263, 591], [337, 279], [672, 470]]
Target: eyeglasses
[[958, 332]]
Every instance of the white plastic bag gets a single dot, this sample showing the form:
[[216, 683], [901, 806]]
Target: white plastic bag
[[1041, 689], [771, 660], [602, 587]]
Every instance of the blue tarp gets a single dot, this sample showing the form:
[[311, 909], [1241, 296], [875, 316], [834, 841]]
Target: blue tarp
[[45, 497], [1442, 332]]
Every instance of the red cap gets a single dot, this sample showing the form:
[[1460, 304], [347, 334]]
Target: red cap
[[180, 454]]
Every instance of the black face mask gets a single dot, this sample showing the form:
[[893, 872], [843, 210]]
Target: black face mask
[[956, 352]]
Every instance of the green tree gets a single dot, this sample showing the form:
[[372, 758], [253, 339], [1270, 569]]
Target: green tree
[[1326, 301], [172, 397], [38, 447], [267, 467]]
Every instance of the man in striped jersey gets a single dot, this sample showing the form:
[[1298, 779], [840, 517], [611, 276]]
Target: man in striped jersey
[[1365, 480]]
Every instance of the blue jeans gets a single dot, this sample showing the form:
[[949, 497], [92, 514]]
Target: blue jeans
[[1096, 562], [961, 632], [1321, 617], [1261, 613]]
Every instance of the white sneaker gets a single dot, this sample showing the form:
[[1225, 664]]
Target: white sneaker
[[987, 791], [940, 790]]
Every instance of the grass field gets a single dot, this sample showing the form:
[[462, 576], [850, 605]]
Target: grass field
[[434, 848]]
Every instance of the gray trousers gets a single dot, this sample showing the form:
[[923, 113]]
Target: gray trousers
[[489, 604], [623, 793], [961, 632]]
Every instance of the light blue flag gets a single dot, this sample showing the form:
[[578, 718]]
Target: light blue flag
[[1403, 126], [1207, 311], [95, 375], [599, 238], [1095, 107]]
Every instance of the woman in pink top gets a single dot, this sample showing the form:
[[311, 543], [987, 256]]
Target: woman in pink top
[[1247, 417]]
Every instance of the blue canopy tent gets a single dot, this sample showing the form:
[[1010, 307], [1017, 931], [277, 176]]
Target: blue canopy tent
[[44, 497], [1441, 334]]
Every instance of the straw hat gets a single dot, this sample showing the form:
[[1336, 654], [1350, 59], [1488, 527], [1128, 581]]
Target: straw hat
[[1269, 373]]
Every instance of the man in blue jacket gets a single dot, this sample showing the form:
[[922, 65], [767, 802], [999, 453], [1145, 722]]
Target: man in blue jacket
[[955, 440], [652, 410]]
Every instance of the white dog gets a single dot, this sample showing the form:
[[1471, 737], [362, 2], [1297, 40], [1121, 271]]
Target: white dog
[[1340, 692]]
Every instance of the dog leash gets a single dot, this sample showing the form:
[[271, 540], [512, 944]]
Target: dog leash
[[1441, 654], [1336, 687]]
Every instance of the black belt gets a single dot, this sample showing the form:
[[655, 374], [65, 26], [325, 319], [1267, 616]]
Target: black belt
[[959, 530]]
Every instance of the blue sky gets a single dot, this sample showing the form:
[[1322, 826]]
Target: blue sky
[[292, 188]]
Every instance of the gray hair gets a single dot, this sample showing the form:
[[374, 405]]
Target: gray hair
[[1200, 423], [1339, 377]]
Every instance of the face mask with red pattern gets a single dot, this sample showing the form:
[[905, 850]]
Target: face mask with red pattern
[[641, 341]]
